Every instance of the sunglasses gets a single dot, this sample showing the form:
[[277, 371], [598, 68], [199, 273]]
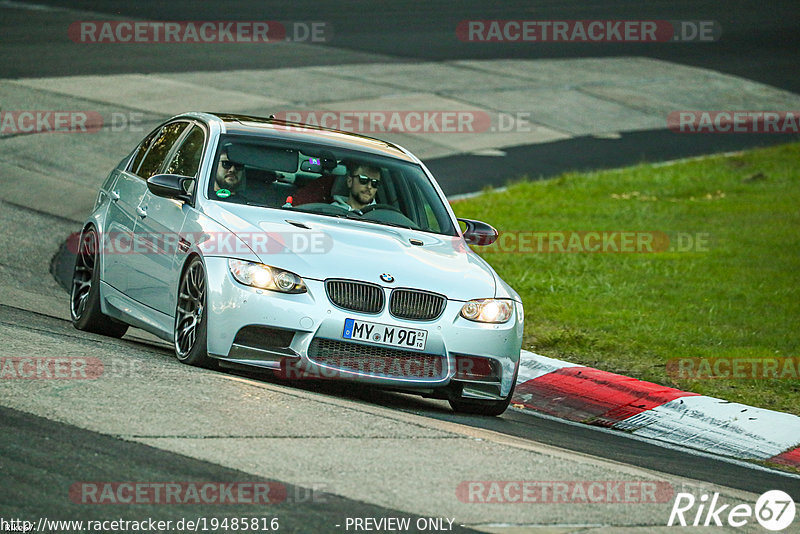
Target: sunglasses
[[364, 180], [228, 164]]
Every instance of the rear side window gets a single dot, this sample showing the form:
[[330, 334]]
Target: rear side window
[[186, 160], [159, 148], [141, 152]]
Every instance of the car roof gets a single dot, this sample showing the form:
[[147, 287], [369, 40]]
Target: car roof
[[279, 129]]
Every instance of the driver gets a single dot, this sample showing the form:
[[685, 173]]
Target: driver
[[363, 182]]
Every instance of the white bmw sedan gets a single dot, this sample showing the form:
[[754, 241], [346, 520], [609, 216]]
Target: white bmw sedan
[[311, 252]]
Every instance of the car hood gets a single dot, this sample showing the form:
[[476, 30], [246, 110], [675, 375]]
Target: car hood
[[318, 247]]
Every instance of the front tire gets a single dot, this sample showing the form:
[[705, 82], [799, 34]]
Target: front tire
[[191, 324], [85, 310]]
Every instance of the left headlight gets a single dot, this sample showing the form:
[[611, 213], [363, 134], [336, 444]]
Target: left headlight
[[266, 277], [488, 310]]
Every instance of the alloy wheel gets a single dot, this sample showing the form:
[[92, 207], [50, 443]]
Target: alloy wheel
[[84, 273], [189, 315]]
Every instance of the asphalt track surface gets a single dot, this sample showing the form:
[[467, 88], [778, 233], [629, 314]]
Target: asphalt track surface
[[120, 459], [40, 456], [758, 42], [64, 454]]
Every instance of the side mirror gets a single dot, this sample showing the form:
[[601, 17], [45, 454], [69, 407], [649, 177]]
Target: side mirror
[[171, 186], [478, 232]]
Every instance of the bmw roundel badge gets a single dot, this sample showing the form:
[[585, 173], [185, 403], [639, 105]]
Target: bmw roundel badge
[[388, 278]]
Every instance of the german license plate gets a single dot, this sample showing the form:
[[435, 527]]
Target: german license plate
[[383, 334]]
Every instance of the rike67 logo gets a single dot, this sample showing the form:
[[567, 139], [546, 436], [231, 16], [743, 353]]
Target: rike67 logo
[[774, 510]]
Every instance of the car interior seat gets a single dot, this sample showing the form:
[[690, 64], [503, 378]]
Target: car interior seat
[[322, 189], [268, 187]]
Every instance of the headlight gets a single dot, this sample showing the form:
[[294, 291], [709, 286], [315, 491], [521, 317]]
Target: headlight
[[265, 277], [488, 310]]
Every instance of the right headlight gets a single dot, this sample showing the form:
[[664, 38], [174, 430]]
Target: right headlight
[[265, 277], [488, 310]]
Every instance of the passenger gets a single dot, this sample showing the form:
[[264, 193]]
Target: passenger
[[228, 178], [362, 183]]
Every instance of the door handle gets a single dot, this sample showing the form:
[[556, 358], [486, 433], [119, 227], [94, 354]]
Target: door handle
[[114, 196], [141, 211]]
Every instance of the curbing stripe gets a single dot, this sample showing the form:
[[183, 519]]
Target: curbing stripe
[[592, 396], [790, 458], [648, 410]]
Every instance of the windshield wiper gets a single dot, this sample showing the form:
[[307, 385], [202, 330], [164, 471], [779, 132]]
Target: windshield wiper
[[353, 216], [396, 225]]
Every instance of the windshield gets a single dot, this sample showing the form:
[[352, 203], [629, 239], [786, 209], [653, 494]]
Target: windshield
[[327, 181]]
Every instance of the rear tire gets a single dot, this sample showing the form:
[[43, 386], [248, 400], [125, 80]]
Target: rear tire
[[85, 310], [191, 324]]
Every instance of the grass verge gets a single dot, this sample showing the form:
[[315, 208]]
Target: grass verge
[[722, 280]]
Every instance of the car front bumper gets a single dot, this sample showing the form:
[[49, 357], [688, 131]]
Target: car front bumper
[[302, 335]]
